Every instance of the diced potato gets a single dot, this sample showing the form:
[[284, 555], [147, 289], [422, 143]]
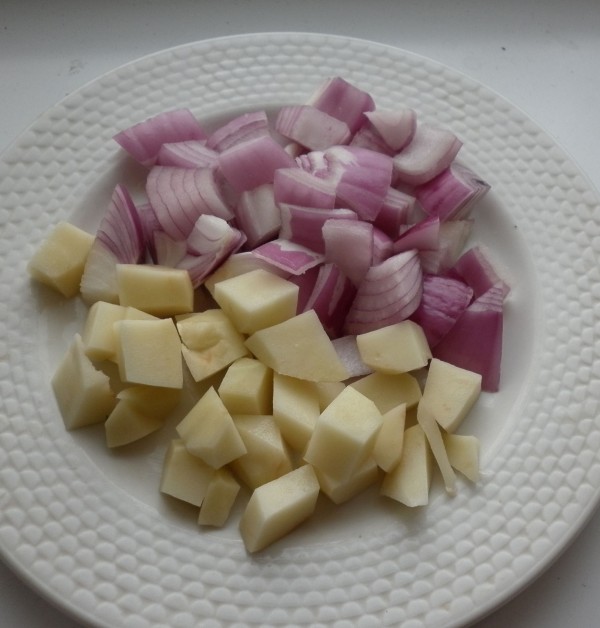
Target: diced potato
[[184, 475], [158, 290], [388, 445], [208, 431], [389, 390], [149, 352], [327, 392], [267, 456], [153, 401], [410, 481], [128, 423], [247, 387], [220, 497], [463, 453], [341, 491], [256, 300], [397, 348], [344, 435], [82, 392], [450, 392], [295, 409], [60, 259], [298, 347], [276, 508]]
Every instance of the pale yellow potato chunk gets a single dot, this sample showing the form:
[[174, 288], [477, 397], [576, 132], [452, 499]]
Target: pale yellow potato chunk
[[397, 348], [463, 453], [344, 435], [219, 499], [388, 445], [256, 300], [278, 507], [266, 457], [128, 423], [60, 259], [341, 491], [298, 347], [327, 392], [247, 387], [410, 481], [450, 392], [389, 390], [208, 431], [295, 409], [158, 290], [149, 352], [185, 476], [82, 392], [153, 401]]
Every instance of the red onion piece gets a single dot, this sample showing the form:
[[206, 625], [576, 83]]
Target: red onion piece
[[306, 283], [168, 252], [298, 187], [251, 163], [144, 139], [240, 129], [347, 350], [190, 154], [443, 301], [258, 215], [453, 237], [288, 256], [310, 127], [343, 101], [349, 245], [476, 270], [430, 151], [304, 225], [451, 194], [397, 127], [382, 246], [475, 341], [424, 235], [367, 137], [389, 293], [395, 212]]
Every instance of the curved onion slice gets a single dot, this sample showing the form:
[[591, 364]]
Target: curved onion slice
[[288, 256], [424, 235], [190, 154], [258, 215], [349, 245], [395, 212], [241, 128], [453, 237], [310, 127], [389, 293], [397, 127], [475, 269], [299, 187], [367, 137]]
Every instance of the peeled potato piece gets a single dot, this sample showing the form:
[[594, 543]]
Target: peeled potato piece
[[219, 499]]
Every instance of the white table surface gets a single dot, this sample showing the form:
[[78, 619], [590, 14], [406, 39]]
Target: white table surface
[[541, 55]]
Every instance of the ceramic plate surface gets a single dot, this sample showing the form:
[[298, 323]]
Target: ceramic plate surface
[[88, 527]]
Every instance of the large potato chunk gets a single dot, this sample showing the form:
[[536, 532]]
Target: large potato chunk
[[299, 347], [82, 392], [247, 387], [60, 259], [276, 508], [389, 390], [341, 491]]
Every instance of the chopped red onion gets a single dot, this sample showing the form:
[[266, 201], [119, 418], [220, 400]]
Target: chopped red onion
[[367, 137], [395, 212], [144, 139], [349, 245], [306, 283], [288, 256], [430, 151], [397, 127], [258, 215], [298, 187], [310, 127], [453, 237], [240, 129], [382, 246], [347, 350], [476, 270], [424, 235], [190, 154], [168, 252]]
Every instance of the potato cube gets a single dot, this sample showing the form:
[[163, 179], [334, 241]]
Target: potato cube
[[82, 392], [256, 300], [219, 499], [208, 431], [389, 390], [158, 290], [247, 387], [397, 348], [60, 259], [450, 392], [279, 506], [185, 476], [153, 401], [298, 347], [327, 392], [344, 435], [128, 423], [388, 445], [410, 481], [341, 491], [149, 352], [295, 409], [463, 453]]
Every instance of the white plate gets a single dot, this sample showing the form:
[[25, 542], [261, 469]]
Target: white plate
[[88, 528]]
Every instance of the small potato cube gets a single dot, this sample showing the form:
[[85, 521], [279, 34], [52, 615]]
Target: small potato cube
[[344, 435], [208, 431], [149, 352], [387, 391], [185, 476], [327, 392], [279, 506], [341, 491], [450, 392], [247, 387], [220, 497], [60, 259], [256, 300], [410, 481], [295, 409], [128, 423], [388, 446], [151, 400], [82, 392], [397, 348], [157, 290], [298, 347], [463, 453]]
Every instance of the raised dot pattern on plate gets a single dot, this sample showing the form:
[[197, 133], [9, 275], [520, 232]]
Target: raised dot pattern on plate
[[113, 561]]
